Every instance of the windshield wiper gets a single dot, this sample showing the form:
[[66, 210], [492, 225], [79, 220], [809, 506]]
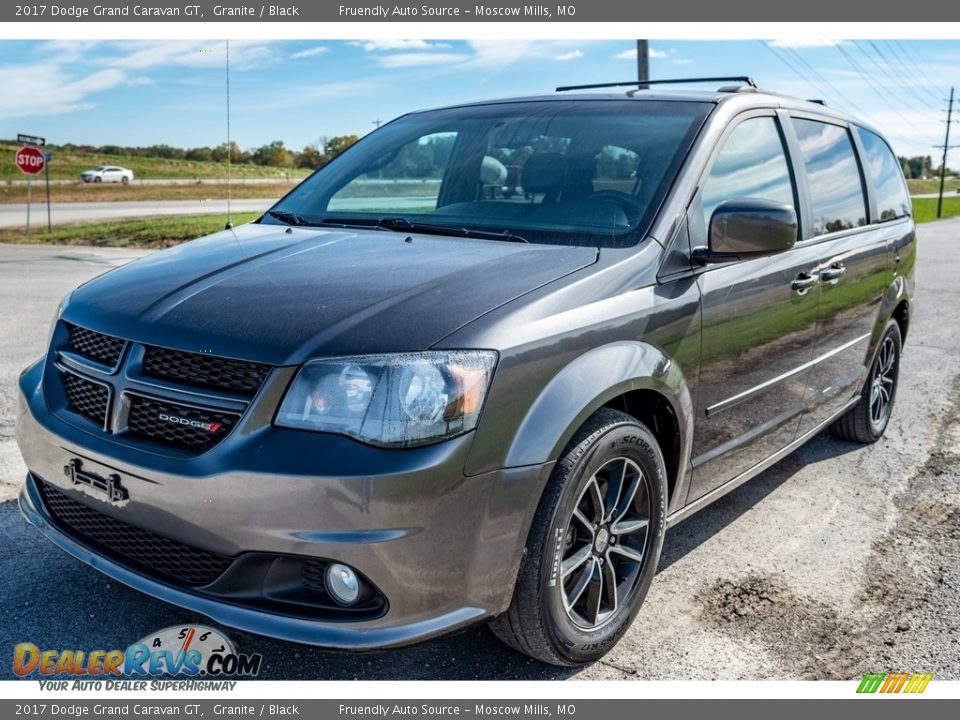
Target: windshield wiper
[[290, 218], [402, 224]]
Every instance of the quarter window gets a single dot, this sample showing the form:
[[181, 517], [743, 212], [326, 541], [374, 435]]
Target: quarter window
[[884, 172], [836, 190], [752, 164]]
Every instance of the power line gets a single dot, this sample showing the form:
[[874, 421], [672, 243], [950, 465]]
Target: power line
[[907, 53], [890, 68], [878, 90], [784, 59], [912, 69], [820, 91]]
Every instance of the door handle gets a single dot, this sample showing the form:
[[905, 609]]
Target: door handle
[[833, 272], [803, 283]]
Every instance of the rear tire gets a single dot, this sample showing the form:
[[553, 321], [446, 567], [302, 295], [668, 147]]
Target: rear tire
[[125, 180], [866, 421], [599, 529]]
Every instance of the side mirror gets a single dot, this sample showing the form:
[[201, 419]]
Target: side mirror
[[748, 227]]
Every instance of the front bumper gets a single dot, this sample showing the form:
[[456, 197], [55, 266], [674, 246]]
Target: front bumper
[[442, 548]]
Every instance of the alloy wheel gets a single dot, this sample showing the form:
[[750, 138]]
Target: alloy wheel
[[883, 383], [604, 546]]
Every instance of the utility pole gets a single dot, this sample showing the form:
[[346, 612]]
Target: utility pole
[[378, 122], [643, 63], [946, 147]]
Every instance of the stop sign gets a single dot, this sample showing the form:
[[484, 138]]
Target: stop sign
[[30, 160]]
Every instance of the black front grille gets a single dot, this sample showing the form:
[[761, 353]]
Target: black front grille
[[172, 561], [187, 427], [104, 349], [86, 397], [207, 371]]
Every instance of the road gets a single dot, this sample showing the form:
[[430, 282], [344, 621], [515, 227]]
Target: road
[[14, 214], [840, 560]]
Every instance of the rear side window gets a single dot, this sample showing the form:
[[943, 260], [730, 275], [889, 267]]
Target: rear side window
[[751, 164], [836, 190], [884, 172]]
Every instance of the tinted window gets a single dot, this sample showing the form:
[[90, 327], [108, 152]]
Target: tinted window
[[751, 164], [836, 191], [563, 172], [885, 174]]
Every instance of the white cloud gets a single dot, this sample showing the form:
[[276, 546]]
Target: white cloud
[[48, 90], [804, 43], [310, 52], [385, 45], [420, 59], [682, 61], [571, 55], [631, 54]]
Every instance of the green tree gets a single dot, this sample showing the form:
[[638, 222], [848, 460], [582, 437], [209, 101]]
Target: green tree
[[336, 145]]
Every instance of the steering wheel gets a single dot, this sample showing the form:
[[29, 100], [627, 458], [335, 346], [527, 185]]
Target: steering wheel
[[631, 205]]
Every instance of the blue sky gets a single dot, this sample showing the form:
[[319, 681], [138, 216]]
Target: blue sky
[[147, 92]]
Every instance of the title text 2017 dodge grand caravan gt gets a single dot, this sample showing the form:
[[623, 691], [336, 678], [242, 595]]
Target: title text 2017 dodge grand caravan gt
[[476, 366]]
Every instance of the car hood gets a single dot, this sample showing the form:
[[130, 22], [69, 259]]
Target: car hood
[[282, 295]]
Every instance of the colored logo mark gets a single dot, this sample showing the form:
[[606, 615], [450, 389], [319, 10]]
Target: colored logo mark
[[895, 682]]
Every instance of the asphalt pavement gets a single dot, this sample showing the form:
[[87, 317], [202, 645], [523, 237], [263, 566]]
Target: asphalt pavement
[[840, 560], [15, 214]]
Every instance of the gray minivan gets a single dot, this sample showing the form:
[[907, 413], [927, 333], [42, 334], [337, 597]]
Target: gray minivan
[[476, 366]]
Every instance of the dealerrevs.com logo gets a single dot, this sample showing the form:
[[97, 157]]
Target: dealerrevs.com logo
[[192, 651]]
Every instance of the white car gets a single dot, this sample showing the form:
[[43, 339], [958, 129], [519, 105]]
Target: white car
[[107, 173]]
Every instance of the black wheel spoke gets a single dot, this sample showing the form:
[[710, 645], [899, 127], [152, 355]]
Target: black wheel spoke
[[581, 583], [628, 527], [594, 595], [626, 552], [599, 566], [576, 560]]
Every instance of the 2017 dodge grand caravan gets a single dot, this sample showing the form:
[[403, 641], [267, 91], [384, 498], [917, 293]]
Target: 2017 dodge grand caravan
[[476, 366]]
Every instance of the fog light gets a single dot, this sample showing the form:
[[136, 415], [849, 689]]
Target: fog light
[[342, 584]]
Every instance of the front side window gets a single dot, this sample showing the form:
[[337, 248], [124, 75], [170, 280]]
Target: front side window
[[751, 164], [562, 172], [884, 172], [836, 191]]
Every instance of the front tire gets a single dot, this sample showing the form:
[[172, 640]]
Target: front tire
[[866, 421], [593, 547]]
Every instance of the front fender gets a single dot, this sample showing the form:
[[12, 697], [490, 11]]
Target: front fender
[[589, 382]]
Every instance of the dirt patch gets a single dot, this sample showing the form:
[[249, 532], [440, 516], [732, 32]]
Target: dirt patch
[[809, 637], [906, 618]]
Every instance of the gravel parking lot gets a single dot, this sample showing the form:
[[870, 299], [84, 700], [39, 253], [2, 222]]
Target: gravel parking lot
[[839, 560]]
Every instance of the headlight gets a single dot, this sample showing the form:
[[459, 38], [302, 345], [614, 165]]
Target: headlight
[[391, 400]]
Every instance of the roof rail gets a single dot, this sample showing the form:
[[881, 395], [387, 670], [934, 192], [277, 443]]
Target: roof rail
[[633, 83]]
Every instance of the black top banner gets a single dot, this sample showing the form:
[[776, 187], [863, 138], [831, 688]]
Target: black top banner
[[566, 11]]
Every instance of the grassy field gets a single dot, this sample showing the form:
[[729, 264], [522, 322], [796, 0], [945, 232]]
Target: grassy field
[[142, 232], [925, 209], [920, 187], [112, 193], [67, 165]]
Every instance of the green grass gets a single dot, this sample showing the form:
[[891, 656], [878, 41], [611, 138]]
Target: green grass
[[919, 187], [141, 233], [925, 209], [67, 165]]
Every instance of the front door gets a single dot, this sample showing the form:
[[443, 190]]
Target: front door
[[759, 320]]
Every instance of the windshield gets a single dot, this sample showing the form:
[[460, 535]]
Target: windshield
[[563, 172]]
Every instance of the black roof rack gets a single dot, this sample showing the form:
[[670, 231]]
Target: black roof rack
[[634, 83]]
